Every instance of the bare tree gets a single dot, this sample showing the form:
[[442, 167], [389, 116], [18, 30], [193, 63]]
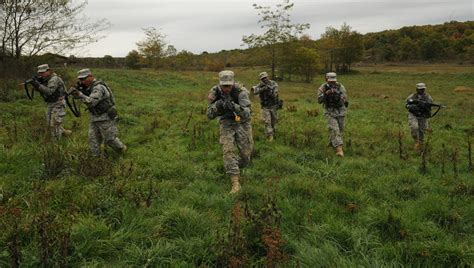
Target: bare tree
[[31, 27], [279, 29]]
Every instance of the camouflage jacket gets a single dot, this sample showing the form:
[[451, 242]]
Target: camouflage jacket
[[53, 90], [268, 93], [239, 96], [325, 99], [99, 94]]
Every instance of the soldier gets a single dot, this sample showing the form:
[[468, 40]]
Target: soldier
[[51, 88], [334, 98], [101, 105], [418, 114], [268, 93], [231, 104]]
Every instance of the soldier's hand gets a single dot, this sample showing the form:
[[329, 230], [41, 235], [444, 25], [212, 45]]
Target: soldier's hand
[[229, 106], [219, 105], [329, 91], [34, 81], [75, 92]]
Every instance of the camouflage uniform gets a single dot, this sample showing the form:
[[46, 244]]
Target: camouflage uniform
[[418, 124], [335, 113], [233, 132], [268, 93], [52, 89], [102, 126]]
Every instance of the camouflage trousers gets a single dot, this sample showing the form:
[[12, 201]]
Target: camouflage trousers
[[270, 119], [417, 125], [104, 131], [234, 137], [247, 126], [336, 129], [54, 117]]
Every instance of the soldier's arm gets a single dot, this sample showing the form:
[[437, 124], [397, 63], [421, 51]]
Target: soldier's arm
[[244, 105], [97, 94], [212, 111], [275, 88], [430, 99], [344, 93], [259, 88], [51, 87], [320, 94]]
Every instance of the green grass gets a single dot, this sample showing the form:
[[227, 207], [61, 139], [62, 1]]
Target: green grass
[[166, 202]]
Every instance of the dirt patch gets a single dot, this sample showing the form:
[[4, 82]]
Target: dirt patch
[[463, 89]]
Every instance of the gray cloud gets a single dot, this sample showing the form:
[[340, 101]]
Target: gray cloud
[[214, 25]]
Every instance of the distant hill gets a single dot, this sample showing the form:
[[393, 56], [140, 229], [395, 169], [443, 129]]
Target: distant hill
[[442, 42]]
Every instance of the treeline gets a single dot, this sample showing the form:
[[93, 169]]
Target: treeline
[[451, 41], [337, 50], [301, 58]]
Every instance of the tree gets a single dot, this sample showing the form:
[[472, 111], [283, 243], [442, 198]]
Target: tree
[[279, 29], [133, 59], [408, 49], [341, 47], [108, 61], [152, 49], [31, 27], [307, 63], [171, 51]]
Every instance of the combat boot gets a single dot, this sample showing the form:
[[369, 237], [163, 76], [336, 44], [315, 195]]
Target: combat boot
[[124, 149], [339, 151], [235, 184], [270, 138], [67, 133]]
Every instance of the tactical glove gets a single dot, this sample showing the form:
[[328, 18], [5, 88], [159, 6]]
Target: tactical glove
[[34, 81], [219, 105], [229, 105]]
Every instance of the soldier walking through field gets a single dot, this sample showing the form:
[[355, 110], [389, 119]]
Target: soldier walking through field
[[270, 102], [230, 103], [419, 110], [101, 105], [334, 98], [51, 87]]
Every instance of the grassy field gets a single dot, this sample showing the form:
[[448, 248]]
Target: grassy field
[[166, 202]]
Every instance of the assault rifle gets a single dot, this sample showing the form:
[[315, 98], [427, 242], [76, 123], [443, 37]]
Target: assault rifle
[[423, 108], [71, 101], [30, 82]]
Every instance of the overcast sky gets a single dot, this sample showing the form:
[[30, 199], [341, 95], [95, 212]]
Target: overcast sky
[[211, 25]]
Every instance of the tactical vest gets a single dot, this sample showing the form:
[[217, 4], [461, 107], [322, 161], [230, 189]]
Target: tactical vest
[[52, 98], [234, 95], [268, 98], [418, 106], [104, 105], [333, 100]]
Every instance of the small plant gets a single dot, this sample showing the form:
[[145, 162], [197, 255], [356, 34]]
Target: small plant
[[391, 228], [291, 108], [312, 113], [470, 167], [54, 161], [424, 156], [91, 166], [454, 160], [10, 219]]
